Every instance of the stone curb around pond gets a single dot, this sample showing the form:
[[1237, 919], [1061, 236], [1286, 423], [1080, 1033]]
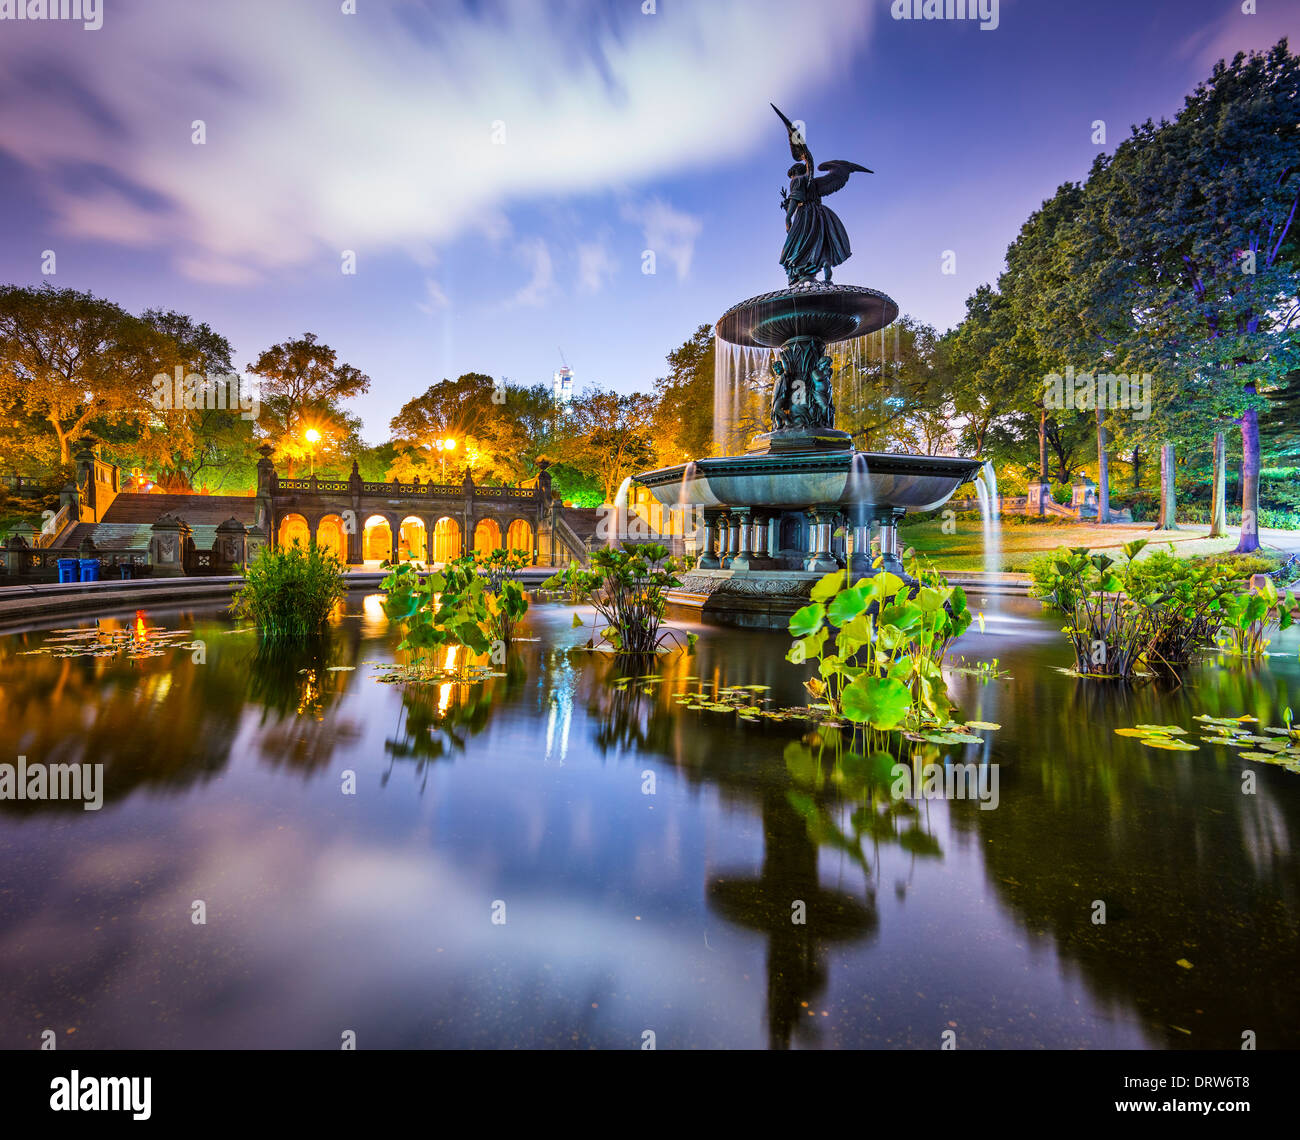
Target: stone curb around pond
[[42, 600]]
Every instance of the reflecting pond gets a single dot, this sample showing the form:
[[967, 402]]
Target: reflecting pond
[[651, 862]]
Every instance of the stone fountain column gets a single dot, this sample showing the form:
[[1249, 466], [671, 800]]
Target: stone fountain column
[[889, 559], [773, 537], [820, 560], [728, 540], [860, 559], [708, 558], [743, 521]]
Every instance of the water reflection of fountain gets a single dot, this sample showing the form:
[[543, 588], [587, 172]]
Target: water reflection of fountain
[[769, 903]]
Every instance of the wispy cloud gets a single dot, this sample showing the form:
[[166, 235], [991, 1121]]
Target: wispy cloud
[[536, 254], [393, 129], [668, 232], [435, 297], [595, 266]]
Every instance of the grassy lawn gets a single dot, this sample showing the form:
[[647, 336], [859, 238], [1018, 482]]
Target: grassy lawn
[[1020, 543]]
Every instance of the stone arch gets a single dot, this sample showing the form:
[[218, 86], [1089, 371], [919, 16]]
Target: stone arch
[[519, 536], [446, 539], [293, 527], [331, 536], [413, 539], [487, 535], [377, 539]]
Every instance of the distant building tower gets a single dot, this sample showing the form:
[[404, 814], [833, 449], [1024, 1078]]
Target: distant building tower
[[562, 385]]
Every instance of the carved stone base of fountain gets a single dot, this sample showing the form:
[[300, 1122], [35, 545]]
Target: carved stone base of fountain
[[788, 441], [753, 599]]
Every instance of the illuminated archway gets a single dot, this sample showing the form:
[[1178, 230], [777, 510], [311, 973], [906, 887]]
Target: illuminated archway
[[293, 528], [487, 536], [446, 540], [330, 536], [519, 537], [377, 540], [412, 540]]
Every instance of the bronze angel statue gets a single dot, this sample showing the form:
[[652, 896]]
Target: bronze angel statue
[[815, 237]]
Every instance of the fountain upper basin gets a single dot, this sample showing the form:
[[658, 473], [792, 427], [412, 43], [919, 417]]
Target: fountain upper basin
[[815, 479], [813, 308]]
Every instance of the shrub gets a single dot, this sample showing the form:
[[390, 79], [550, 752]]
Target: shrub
[[290, 593], [1276, 520]]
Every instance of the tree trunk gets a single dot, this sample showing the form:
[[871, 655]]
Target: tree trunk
[[1249, 539], [1042, 445], [1103, 472], [1218, 491], [1137, 470], [1168, 499]]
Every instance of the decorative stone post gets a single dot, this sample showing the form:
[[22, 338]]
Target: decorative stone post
[[14, 556], [353, 524], [255, 540], [773, 537], [231, 546], [167, 546]]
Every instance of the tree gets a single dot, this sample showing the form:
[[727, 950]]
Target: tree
[[71, 361], [463, 410], [301, 383], [684, 400], [1205, 205], [610, 436]]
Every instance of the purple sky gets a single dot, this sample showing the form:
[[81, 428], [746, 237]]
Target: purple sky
[[378, 131]]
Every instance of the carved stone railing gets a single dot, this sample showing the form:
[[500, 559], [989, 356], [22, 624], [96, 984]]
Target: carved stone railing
[[55, 527]]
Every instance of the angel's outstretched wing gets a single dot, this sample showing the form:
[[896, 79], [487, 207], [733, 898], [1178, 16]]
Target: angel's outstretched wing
[[798, 146], [838, 176]]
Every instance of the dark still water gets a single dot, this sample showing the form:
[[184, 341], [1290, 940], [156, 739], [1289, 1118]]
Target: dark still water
[[524, 798]]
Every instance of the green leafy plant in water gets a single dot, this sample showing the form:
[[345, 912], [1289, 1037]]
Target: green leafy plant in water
[[454, 606], [629, 589], [1249, 618], [879, 648], [290, 593], [1138, 616], [501, 569]]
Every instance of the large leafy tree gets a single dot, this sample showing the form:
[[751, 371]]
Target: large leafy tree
[[77, 364], [609, 436], [1203, 210], [302, 384]]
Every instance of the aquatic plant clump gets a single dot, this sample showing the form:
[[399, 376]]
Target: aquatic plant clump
[[629, 589], [473, 602], [879, 646], [290, 593]]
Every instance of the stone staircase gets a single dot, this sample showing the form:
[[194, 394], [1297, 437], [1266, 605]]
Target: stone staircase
[[127, 522]]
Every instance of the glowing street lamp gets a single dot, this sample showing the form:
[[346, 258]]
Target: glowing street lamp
[[312, 436], [444, 446]]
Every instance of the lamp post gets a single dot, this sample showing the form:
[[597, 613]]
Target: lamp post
[[444, 446], [312, 436]]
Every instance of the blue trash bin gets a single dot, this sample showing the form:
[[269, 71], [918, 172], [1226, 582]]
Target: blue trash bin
[[89, 569], [67, 569]]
